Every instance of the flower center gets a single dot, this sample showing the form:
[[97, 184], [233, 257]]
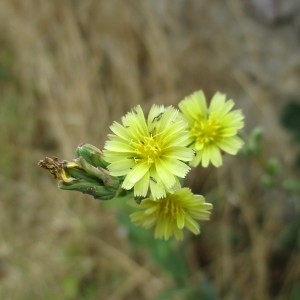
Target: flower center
[[169, 208], [148, 149], [206, 131]]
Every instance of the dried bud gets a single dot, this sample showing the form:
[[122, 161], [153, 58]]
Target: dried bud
[[56, 168]]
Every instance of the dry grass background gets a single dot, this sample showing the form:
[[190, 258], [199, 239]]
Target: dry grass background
[[68, 69]]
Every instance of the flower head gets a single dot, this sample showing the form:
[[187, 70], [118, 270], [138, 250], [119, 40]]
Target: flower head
[[149, 153], [172, 213], [212, 128]]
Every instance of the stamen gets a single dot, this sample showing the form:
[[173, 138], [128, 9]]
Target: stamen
[[170, 208], [206, 131], [147, 149]]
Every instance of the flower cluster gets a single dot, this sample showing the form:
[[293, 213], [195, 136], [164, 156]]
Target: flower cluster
[[150, 156]]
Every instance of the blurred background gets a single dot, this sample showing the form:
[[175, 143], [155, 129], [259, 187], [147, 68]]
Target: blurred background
[[69, 68]]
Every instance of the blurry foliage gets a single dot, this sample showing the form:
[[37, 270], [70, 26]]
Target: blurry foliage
[[287, 243], [9, 121], [253, 145], [290, 119], [6, 61]]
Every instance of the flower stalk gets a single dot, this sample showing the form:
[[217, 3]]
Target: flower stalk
[[146, 159]]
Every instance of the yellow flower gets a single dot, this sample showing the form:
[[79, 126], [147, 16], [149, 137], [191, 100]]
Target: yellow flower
[[212, 129], [150, 154], [172, 213]]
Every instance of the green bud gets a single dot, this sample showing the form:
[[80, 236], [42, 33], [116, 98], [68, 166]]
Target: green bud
[[78, 172], [92, 155], [99, 173]]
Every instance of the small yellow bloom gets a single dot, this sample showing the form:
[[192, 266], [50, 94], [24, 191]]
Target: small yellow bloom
[[212, 129], [149, 153], [172, 213]]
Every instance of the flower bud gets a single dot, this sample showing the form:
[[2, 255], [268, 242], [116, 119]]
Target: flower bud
[[81, 176], [91, 154]]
